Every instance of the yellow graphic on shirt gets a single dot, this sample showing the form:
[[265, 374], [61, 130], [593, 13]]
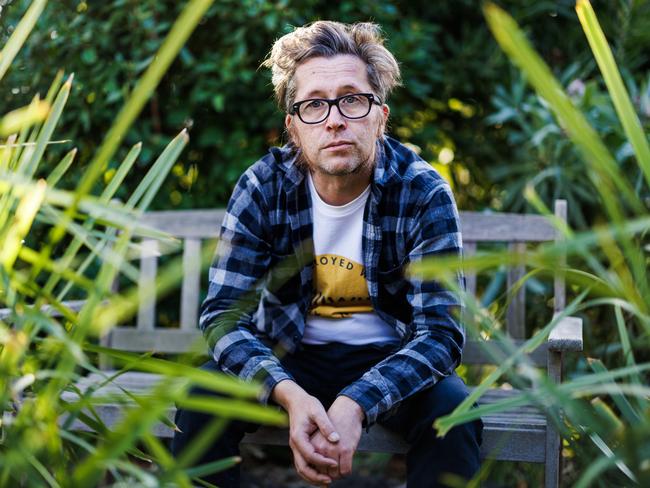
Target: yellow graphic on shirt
[[340, 287]]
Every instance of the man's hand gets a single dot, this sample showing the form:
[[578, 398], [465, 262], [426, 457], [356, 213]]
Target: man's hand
[[347, 417], [306, 417]]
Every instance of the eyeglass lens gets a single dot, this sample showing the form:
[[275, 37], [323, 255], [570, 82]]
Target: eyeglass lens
[[352, 106]]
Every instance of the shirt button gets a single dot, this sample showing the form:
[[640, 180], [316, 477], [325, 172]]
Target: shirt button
[[296, 337]]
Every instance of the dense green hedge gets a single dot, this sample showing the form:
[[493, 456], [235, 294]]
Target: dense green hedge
[[450, 62]]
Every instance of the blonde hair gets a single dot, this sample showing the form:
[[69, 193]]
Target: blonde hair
[[326, 38]]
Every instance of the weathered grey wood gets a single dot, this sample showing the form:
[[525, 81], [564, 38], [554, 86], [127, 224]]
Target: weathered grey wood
[[147, 285], [552, 466], [476, 226], [566, 335], [505, 227], [559, 285], [469, 249], [516, 313], [516, 435], [520, 434], [494, 352], [170, 341], [191, 284], [197, 224]]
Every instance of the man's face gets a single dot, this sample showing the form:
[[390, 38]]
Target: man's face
[[337, 146]]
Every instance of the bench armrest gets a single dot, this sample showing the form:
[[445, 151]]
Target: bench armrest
[[566, 335]]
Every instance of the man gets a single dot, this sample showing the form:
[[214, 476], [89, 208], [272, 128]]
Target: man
[[308, 294]]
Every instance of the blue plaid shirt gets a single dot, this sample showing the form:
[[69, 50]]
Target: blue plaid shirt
[[261, 279]]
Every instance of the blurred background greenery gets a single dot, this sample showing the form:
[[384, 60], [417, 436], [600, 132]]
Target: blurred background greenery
[[462, 104], [463, 107]]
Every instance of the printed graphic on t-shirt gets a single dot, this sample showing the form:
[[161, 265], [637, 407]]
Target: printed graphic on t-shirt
[[340, 287]]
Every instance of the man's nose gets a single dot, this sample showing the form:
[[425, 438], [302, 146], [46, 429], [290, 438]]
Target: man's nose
[[335, 119]]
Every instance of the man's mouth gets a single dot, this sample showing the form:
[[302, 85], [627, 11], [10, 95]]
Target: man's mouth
[[338, 145]]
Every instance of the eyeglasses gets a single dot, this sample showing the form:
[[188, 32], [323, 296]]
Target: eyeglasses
[[315, 110]]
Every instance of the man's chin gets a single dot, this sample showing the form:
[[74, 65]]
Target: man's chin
[[339, 168]]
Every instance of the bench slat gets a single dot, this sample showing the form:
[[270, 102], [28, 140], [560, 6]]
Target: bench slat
[[516, 313], [173, 341], [198, 224], [516, 435], [147, 285], [476, 226], [191, 284], [493, 352], [505, 227]]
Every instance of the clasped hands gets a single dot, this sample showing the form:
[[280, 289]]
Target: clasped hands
[[323, 443]]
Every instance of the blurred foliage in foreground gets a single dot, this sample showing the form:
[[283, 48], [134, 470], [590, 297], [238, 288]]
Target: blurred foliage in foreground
[[57, 242], [451, 65], [467, 111], [603, 411]]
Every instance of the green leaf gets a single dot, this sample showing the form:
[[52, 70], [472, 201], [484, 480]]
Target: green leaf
[[624, 108], [60, 169], [19, 35]]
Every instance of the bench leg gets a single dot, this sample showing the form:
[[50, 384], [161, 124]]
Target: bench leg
[[553, 441], [552, 465]]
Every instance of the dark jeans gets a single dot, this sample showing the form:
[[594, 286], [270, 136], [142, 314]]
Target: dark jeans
[[323, 371]]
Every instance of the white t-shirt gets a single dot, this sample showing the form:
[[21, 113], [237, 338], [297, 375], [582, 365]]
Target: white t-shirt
[[341, 310]]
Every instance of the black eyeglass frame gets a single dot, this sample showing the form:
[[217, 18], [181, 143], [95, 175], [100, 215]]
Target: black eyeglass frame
[[295, 108]]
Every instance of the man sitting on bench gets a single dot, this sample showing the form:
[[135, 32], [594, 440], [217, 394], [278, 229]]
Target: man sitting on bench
[[307, 291]]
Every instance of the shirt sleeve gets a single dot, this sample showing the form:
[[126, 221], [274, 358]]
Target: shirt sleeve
[[434, 346], [240, 265]]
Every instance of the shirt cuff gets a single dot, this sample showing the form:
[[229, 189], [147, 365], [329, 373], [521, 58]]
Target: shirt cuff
[[269, 375], [370, 398]]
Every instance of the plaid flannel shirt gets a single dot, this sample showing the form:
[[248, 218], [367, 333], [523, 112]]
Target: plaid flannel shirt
[[261, 279]]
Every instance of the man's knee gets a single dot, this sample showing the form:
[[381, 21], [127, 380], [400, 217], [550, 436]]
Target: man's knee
[[443, 397]]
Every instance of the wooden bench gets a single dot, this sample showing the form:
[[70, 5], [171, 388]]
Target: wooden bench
[[521, 434]]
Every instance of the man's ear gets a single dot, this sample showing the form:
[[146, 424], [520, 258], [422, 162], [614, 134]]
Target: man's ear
[[288, 124], [385, 112]]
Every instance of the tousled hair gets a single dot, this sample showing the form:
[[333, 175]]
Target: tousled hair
[[326, 39]]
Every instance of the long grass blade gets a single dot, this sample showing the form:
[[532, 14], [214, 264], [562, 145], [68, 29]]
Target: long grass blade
[[47, 130], [27, 116], [148, 187], [135, 423], [235, 409], [25, 213], [213, 467], [219, 383], [605, 174], [622, 103], [626, 409], [19, 35], [608, 177], [61, 168]]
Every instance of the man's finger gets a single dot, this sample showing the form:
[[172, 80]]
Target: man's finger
[[334, 473], [309, 453], [307, 472], [325, 426], [345, 462]]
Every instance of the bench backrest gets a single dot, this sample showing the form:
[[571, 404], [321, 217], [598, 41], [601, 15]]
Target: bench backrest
[[194, 226]]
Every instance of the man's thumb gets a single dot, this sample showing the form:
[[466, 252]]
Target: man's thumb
[[326, 427]]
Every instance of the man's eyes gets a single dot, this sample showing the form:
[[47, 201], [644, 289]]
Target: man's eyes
[[351, 100], [315, 104]]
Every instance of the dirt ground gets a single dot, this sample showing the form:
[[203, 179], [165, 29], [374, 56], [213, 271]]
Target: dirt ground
[[272, 467]]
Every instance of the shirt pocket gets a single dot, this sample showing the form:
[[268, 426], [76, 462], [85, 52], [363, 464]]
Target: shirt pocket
[[391, 276]]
